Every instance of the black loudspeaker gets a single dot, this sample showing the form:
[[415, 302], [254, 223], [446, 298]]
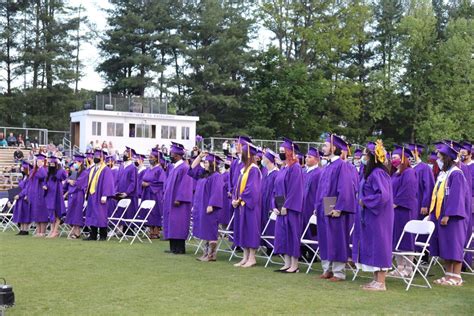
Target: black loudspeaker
[[7, 297]]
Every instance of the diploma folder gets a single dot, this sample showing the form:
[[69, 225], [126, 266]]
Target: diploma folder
[[279, 202], [329, 204]]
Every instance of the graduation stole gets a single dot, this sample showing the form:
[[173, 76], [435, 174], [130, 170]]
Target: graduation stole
[[244, 178], [94, 178], [439, 193]]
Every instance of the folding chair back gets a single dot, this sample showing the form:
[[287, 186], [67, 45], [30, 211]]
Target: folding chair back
[[114, 219], [6, 218], [419, 227], [269, 239], [3, 203], [225, 236], [309, 243], [137, 224]]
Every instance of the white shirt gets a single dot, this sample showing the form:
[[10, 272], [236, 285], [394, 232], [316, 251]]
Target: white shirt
[[309, 169], [178, 163]]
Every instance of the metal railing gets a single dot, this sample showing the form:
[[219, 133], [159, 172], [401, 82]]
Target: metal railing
[[134, 104], [29, 134]]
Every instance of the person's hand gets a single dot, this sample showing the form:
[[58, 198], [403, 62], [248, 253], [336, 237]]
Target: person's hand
[[424, 211], [395, 205], [283, 211], [361, 203], [229, 194], [335, 213], [444, 220], [235, 203], [276, 211], [17, 197], [209, 209], [203, 154], [45, 188], [177, 203], [103, 199], [145, 184], [71, 182]]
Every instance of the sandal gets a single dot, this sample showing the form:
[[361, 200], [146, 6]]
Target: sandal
[[74, 236], [374, 286], [439, 281], [454, 281]]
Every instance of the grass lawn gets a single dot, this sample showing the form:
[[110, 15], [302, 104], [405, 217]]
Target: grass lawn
[[59, 277]]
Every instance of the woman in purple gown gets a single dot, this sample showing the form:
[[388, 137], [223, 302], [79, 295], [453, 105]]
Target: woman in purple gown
[[21, 212], [268, 197], [449, 210], [373, 247], [77, 185], [289, 207], [405, 204], [36, 195], [207, 203], [246, 201], [54, 195]]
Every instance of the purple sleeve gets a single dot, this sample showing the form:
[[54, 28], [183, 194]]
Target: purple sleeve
[[455, 202], [251, 193], [346, 199], [62, 175], [196, 172], [132, 185], [294, 187], [381, 193], [406, 192], [216, 187], [184, 187], [428, 185], [108, 182]]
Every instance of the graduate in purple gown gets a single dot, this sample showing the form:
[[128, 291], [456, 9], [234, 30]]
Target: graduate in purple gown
[[36, 195], [112, 203], [405, 203], [312, 173], [54, 195], [246, 202], [268, 195], [152, 184], [127, 185], [449, 211], [177, 200], [235, 169], [100, 187], [139, 163], [22, 212], [425, 178], [372, 249], [226, 212], [77, 185], [208, 202], [356, 161], [334, 225], [289, 192]]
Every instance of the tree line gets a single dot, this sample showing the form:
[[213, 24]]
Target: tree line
[[397, 69]]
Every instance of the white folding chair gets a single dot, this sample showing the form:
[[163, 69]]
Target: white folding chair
[[116, 220], [6, 217], [225, 237], [309, 244], [415, 227], [269, 240], [469, 249], [137, 223]]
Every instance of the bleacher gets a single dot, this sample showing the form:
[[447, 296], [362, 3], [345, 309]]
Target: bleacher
[[8, 180]]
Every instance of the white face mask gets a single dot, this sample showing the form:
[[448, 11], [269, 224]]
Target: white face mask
[[363, 161], [324, 162], [430, 165], [440, 163]]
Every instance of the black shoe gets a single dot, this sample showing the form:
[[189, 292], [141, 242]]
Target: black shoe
[[280, 270], [296, 271], [168, 251], [103, 239], [22, 233], [179, 252], [90, 239]]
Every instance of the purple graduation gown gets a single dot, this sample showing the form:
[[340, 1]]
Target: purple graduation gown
[[75, 205], [425, 179], [405, 187], [54, 195], [334, 232], [288, 228], [22, 212], [112, 203], [467, 171], [96, 212], [448, 241], [208, 193], [127, 182], [36, 196], [226, 212], [178, 187], [311, 181], [268, 201], [235, 168], [156, 177], [374, 225], [249, 214]]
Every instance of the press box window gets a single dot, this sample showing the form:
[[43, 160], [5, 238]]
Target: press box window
[[96, 128], [185, 133], [168, 132], [115, 129]]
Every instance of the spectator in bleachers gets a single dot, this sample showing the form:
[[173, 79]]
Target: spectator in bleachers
[[225, 147], [104, 145], [90, 146], [111, 147], [20, 140], [3, 143], [11, 140], [35, 142], [18, 154]]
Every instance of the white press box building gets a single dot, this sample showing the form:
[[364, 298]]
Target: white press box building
[[141, 131]]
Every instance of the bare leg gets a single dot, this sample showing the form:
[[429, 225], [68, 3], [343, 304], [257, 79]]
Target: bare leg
[[293, 264], [251, 261]]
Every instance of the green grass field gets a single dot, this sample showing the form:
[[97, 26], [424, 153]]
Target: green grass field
[[59, 277]]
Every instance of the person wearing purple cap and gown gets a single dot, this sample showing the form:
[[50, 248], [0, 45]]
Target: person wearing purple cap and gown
[[405, 204], [54, 195], [152, 184], [268, 196], [246, 202], [112, 203], [100, 187], [334, 225], [356, 161], [373, 229], [312, 173], [36, 195], [77, 185], [177, 200], [21, 211], [207, 203], [226, 212], [289, 194], [139, 163], [449, 211], [127, 185]]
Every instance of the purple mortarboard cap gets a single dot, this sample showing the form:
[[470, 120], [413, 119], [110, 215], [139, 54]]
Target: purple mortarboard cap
[[53, 159], [433, 155], [213, 158], [448, 151], [358, 153], [416, 148], [40, 157], [371, 147], [457, 146], [89, 154], [313, 152], [241, 139], [289, 144], [467, 146], [177, 149], [98, 153], [109, 158], [229, 158], [400, 150], [249, 148], [155, 153], [338, 142], [25, 164], [79, 157], [259, 153], [270, 155]]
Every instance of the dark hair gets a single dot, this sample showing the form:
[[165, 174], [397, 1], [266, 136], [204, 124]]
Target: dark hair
[[247, 160], [337, 151], [371, 165], [448, 161], [213, 168], [58, 166]]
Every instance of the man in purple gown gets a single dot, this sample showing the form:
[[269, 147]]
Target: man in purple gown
[[76, 190], [334, 224], [127, 183], [177, 200], [100, 187], [21, 211], [425, 178], [54, 195]]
